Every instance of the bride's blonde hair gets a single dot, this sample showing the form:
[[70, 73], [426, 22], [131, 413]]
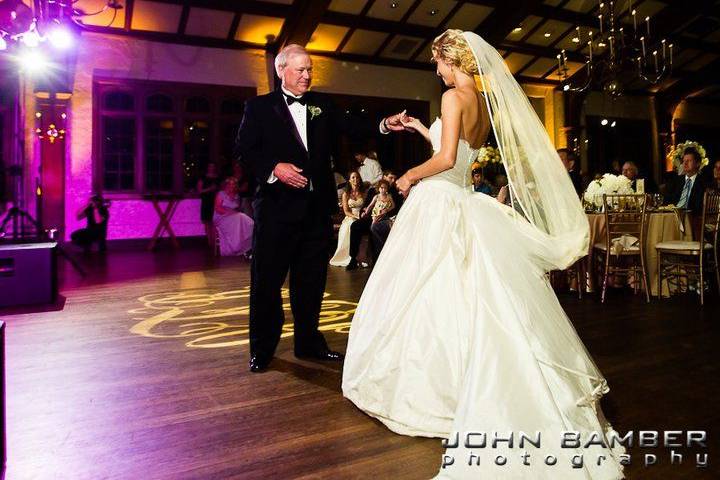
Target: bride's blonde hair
[[453, 49]]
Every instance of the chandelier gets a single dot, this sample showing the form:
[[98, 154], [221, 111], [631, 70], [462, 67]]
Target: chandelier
[[618, 50], [48, 20]]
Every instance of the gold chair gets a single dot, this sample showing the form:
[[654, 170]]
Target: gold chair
[[625, 219], [684, 260]]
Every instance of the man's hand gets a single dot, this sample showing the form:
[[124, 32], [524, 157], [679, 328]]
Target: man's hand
[[394, 123], [289, 174]]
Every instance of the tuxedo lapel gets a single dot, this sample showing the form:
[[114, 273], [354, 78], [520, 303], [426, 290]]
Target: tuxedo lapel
[[282, 110]]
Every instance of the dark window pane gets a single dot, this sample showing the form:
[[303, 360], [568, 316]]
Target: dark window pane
[[232, 106], [196, 137], [159, 103], [197, 105], [119, 101], [118, 152], [228, 131], [158, 155]]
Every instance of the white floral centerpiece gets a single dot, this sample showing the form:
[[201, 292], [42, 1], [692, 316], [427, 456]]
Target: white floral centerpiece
[[488, 154], [676, 155], [609, 184]]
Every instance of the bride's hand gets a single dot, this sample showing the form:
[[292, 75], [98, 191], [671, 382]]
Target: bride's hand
[[404, 185], [411, 123]]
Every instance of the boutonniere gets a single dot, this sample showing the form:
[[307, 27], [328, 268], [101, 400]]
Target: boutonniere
[[314, 111]]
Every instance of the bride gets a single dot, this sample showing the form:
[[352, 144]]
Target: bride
[[457, 330]]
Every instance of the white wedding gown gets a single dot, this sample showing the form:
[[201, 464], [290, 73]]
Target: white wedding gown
[[458, 330]]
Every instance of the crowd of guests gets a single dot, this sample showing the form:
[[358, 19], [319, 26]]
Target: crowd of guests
[[369, 210], [226, 210], [683, 191]]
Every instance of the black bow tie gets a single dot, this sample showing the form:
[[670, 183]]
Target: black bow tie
[[290, 99]]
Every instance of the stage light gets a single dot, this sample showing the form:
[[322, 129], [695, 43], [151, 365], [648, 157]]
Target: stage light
[[3, 44], [31, 39], [613, 123], [60, 38], [604, 122], [32, 61]]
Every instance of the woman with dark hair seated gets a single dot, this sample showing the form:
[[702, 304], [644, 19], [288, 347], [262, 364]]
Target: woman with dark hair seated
[[714, 182], [97, 215], [235, 229]]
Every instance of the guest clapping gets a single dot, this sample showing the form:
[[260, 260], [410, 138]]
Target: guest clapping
[[353, 199], [235, 229]]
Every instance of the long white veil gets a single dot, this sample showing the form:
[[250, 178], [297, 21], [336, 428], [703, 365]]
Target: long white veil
[[539, 184]]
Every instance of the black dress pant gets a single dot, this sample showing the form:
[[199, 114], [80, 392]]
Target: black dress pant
[[380, 232], [302, 249], [358, 228]]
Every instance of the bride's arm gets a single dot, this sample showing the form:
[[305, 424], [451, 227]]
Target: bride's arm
[[415, 124], [444, 159]]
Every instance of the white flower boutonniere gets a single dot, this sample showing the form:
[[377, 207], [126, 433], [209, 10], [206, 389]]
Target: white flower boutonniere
[[314, 111]]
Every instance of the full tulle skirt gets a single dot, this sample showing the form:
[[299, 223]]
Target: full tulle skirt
[[458, 331]]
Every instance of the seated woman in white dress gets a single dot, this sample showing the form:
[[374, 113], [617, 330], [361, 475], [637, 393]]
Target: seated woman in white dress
[[352, 201], [235, 229]]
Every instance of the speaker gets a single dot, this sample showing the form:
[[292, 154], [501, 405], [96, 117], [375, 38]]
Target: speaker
[[28, 273]]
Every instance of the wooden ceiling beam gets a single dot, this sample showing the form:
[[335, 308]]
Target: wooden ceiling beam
[[252, 7], [504, 18], [301, 23]]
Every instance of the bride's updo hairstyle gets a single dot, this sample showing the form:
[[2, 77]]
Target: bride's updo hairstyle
[[454, 50]]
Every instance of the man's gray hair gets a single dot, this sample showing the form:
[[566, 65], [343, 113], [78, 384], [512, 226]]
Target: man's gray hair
[[283, 57], [632, 165]]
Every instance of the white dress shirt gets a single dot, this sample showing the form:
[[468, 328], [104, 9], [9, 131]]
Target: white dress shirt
[[298, 112], [370, 171]]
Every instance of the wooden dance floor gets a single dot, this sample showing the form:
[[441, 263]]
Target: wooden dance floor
[[142, 374]]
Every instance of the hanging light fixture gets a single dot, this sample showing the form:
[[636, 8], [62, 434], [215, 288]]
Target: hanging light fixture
[[615, 50]]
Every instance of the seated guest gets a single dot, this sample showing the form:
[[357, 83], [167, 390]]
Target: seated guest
[[245, 192], [235, 229], [631, 171], [686, 191], [96, 213], [714, 182], [362, 226], [369, 168], [569, 159], [480, 185], [382, 223], [353, 198], [207, 187]]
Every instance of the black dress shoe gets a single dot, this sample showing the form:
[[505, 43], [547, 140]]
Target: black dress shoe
[[353, 265], [321, 355], [258, 364]]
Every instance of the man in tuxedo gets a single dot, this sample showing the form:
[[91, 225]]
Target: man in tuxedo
[[285, 139], [568, 159], [687, 191], [630, 170]]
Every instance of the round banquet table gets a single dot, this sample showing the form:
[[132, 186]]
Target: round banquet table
[[662, 226]]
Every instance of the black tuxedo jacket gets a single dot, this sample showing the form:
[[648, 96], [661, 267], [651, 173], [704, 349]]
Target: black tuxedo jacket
[[268, 136], [675, 188]]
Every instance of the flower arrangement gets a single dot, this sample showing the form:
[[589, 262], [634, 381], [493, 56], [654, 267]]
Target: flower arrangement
[[676, 155], [488, 154], [609, 184]]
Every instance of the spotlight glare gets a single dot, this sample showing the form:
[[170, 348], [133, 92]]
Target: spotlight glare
[[32, 61], [613, 123], [61, 38], [566, 87], [604, 122], [31, 39], [3, 44]]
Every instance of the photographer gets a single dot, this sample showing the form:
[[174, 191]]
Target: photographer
[[97, 214]]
